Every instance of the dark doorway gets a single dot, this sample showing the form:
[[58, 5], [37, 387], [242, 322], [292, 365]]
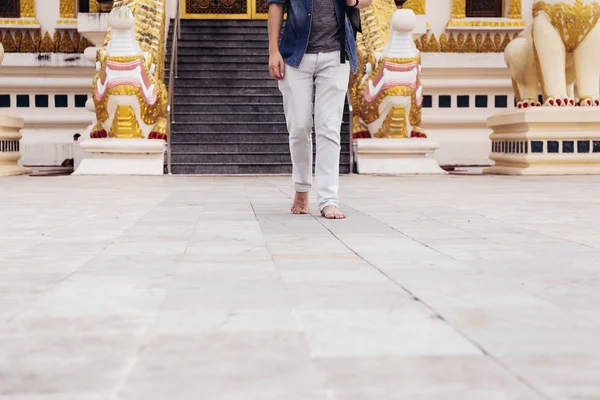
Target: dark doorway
[[484, 8], [84, 7], [10, 9]]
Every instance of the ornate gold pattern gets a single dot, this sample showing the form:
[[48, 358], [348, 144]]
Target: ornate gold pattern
[[443, 43], [433, 46], [125, 124], [514, 9], [459, 9], [27, 45], [8, 42], [66, 44], [67, 8], [418, 6], [486, 24], [470, 45], [27, 8], [19, 22], [573, 22], [394, 125], [47, 45], [488, 45], [94, 7], [452, 46]]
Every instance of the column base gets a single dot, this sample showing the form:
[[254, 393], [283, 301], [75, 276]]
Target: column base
[[396, 157], [122, 157]]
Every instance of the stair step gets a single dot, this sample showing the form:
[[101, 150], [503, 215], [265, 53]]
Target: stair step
[[223, 59], [225, 82], [220, 98], [223, 44], [217, 31], [223, 22], [225, 50], [193, 37], [237, 137], [235, 148], [239, 169], [271, 90], [233, 127], [231, 107], [237, 158], [225, 73], [226, 117], [218, 67]]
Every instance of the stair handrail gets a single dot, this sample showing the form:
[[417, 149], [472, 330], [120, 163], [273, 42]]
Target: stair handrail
[[172, 76]]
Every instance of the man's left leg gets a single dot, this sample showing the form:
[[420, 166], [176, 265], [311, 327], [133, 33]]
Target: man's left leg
[[331, 83]]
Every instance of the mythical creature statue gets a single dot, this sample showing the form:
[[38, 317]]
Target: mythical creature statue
[[386, 91], [129, 93], [558, 53]]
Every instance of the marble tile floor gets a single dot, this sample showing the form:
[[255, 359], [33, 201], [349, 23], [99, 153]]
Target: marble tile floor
[[177, 288]]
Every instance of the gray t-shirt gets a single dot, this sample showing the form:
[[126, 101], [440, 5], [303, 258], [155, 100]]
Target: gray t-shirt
[[324, 34]]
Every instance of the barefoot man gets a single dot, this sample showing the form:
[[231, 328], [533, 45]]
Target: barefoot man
[[311, 59]]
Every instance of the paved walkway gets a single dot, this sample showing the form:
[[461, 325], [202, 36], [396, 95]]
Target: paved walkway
[[435, 288]]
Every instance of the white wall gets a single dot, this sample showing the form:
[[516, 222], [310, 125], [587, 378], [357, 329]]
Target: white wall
[[47, 12]]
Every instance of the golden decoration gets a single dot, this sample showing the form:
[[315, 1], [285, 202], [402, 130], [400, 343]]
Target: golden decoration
[[424, 41], [125, 124], [67, 8], [18, 40], [57, 38], [488, 45], [516, 35], [459, 9], [497, 41], [573, 22], [443, 43], [470, 45], [505, 43], [452, 46], [486, 24], [66, 44], [94, 6], [394, 125], [478, 41], [461, 42], [418, 6], [418, 45], [47, 45], [27, 8], [433, 46], [514, 9], [8, 42], [19, 22], [28, 45], [37, 39], [76, 40]]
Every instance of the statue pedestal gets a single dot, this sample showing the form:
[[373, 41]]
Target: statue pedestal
[[10, 135], [122, 157], [396, 156], [546, 141]]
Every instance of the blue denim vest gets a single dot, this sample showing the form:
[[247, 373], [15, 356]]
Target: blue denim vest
[[297, 30]]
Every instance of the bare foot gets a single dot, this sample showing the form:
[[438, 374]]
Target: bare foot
[[300, 204], [332, 212]]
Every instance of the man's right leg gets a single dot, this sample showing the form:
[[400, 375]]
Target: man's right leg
[[297, 88]]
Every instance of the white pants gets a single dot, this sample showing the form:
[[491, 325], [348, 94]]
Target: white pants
[[325, 73]]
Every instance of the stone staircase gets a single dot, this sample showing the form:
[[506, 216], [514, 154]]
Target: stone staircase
[[229, 113]]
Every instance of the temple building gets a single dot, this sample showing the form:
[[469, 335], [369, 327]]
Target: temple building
[[227, 114]]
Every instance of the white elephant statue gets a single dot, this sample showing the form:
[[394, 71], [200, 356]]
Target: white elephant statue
[[559, 52]]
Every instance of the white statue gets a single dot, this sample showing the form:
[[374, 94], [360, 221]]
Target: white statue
[[558, 51], [1, 53]]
